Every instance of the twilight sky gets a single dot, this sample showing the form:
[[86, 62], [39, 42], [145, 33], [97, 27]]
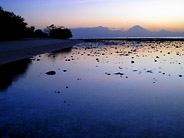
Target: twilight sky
[[116, 14]]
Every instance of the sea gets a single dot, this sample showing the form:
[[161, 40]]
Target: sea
[[98, 88]]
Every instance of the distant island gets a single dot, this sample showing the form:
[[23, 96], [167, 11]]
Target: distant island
[[135, 31]]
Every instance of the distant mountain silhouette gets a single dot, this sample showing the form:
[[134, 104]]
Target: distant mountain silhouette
[[137, 28], [135, 31], [93, 32]]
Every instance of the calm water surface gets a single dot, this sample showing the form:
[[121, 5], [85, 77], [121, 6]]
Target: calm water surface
[[100, 89]]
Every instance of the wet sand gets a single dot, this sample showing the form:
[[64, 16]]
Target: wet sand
[[16, 50]]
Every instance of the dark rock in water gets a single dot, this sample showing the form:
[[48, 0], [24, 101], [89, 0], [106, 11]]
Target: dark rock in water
[[149, 71], [66, 86], [132, 62], [50, 73], [107, 73], [64, 101], [119, 73], [64, 70], [97, 60], [57, 92], [180, 75]]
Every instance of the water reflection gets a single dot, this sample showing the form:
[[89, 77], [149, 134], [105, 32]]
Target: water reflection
[[99, 89], [11, 72], [61, 51]]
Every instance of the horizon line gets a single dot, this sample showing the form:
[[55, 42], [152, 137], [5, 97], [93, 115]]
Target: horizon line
[[118, 29]]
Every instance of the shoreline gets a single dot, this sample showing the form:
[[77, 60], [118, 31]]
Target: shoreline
[[137, 39], [11, 51]]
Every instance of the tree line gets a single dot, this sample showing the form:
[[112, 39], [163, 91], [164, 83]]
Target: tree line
[[13, 27]]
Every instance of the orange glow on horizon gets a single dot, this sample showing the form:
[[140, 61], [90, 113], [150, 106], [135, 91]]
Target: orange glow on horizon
[[116, 24]]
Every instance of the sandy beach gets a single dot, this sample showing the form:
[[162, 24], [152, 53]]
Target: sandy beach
[[16, 50]]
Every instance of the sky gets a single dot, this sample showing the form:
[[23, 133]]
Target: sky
[[153, 15]]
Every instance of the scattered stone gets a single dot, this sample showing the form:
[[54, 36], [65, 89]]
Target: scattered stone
[[149, 71], [107, 73], [50, 73], [58, 92], [180, 76], [119, 73]]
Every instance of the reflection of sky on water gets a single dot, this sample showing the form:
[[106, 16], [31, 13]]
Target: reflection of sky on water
[[144, 98]]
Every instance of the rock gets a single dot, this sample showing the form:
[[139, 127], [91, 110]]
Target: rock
[[50, 73], [107, 73], [97, 60], [64, 70], [149, 71], [119, 73], [57, 92]]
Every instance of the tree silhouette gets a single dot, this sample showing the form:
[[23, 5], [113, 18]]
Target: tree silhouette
[[58, 32], [30, 31], [40, 33], [12, 26]]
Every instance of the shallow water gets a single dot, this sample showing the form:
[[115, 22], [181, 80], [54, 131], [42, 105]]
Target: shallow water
[[100, 89]]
